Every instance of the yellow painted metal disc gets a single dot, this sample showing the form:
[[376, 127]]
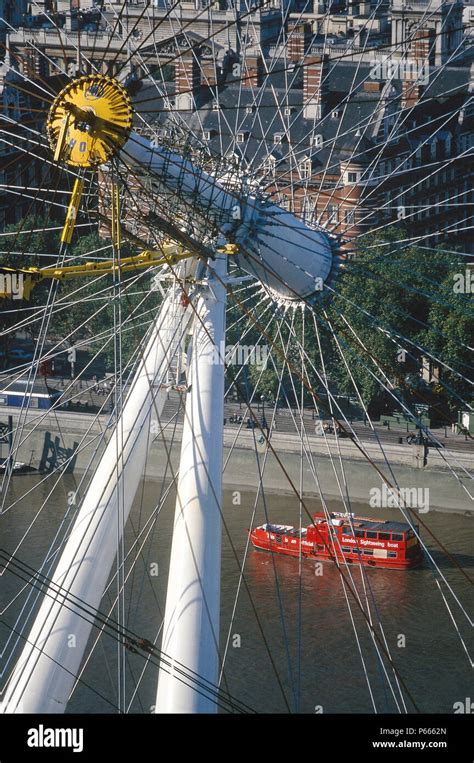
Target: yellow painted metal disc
[[89, 121]]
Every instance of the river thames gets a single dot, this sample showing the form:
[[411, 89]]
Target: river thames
[[295, 642]]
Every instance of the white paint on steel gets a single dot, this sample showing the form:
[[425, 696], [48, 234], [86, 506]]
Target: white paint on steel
[[276, 247], [191, 624], [45, 672]]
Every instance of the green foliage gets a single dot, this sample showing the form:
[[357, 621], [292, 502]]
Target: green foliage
[[394, 305], [400, 304], [87, 310]]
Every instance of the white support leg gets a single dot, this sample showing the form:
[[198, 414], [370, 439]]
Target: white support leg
[[191, 625], [45, 672]]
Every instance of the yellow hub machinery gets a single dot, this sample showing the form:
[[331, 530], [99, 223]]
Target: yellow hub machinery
[[89, 121]]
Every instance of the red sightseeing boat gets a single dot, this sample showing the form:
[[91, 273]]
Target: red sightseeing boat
[[345, 538]]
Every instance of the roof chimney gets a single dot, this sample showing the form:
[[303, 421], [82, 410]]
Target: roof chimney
[[411, 93], [188, 80], [254, 71], [371, 86], [420, 46], [315, 70], [298, 38]]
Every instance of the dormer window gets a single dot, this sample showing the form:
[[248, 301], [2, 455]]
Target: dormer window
[[305, 169], [249, 109], [216, 106], [206, 135], [278, 138], [269, 165], [352, 177], [335, 114], [317, 141], [287, 111], [242, 136]]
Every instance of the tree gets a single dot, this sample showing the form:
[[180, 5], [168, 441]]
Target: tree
[[89, 313], [395, 305]]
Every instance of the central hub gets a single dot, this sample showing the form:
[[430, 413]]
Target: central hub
[[90, 121]]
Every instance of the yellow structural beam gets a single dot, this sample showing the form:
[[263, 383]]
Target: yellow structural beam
[[116, 227], [72, 211], [21, 281]]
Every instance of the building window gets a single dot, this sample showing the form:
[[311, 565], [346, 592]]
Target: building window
[[242, 137], [305, 169], [352, 177], [308, 208], [269, 165], [317, 140], [350, 220], [278, 138], [333, 216]]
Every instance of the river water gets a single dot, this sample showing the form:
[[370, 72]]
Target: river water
[[296, 642]]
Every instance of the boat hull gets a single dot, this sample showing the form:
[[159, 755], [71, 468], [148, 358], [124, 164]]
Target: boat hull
[[309, 551]]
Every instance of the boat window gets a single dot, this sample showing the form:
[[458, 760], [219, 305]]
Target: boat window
[[392, 554], [397, 536], [368, 552], [278, 538], [371, 534], [384, 536], [360, 534], [356, 551], [346, 550]]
